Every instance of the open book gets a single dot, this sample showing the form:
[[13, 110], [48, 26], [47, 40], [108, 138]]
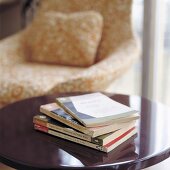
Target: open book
[[95, 109]]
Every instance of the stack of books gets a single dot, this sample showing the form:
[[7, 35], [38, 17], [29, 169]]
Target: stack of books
[[93, 120]]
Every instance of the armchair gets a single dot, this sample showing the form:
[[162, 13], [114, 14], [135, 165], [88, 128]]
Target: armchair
[[118, 49]]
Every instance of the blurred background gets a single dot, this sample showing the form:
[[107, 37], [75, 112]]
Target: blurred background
[[133, 79], [15, 14]]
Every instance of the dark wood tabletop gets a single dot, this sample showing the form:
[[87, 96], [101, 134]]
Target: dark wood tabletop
[[22, 147]]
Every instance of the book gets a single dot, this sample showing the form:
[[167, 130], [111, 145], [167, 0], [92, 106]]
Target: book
[[106, 148], [53, 124], [54, 111], [95, 109]]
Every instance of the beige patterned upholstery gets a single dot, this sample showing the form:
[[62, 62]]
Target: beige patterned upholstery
[[76, 35], [21, 79], [116, 14]]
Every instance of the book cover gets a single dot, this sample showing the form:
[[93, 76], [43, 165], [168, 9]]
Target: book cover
[[53, 124], [106, 148], [56, 112], [95, 109]]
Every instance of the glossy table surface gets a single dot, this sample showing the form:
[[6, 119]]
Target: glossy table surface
[[22, 147]]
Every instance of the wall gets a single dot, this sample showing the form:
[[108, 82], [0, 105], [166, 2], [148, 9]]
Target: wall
[[10, 18]]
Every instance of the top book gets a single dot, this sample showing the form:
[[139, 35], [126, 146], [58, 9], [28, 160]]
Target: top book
[[95, 109]]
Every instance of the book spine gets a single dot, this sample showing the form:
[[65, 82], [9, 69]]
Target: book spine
[[69, 123], [70, 138], [106, 148], [40, 128], [76, 134], [79, 141], [69, 111], [68, 131], [39, 122], [97, 140]]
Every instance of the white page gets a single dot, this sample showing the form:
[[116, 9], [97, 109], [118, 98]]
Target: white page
[[98, 105]]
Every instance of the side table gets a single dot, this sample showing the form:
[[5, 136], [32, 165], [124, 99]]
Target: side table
[[22, 147]]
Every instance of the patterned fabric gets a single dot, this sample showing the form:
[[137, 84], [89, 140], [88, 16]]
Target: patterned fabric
[[116, 14], [20, 79], [67, 39]]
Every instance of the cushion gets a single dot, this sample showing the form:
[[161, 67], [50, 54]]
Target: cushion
[[20, 79], [116, 14], [66, 39]]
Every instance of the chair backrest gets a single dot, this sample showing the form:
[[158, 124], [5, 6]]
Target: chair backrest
[[117, 19]]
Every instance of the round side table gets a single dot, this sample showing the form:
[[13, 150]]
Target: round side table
[[22, 147]]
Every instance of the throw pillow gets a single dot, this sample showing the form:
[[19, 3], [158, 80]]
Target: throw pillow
[[66, 39]]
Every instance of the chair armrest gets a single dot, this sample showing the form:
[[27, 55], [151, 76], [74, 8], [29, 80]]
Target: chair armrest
[[11, 51], [100, 75]]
